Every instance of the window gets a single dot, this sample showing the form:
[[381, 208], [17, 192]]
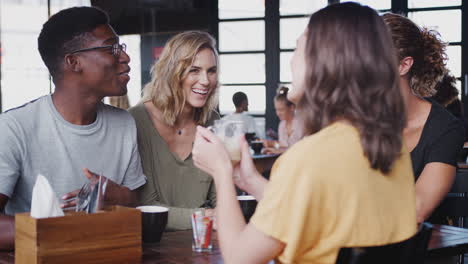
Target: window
[[454, 59], [294, 16], [378, 5], [242, 42], [446, 22], [242, 53], [285, 68], [432, 3], [133, 50], [240, 9], [300, 7], [242, 68], [290, 30], [242, 35], [24, 75]]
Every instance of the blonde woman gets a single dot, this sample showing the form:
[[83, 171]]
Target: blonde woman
[[180, 96]]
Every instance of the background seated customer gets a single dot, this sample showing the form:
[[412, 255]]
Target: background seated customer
[[59, 135], [181, 95], [432, 135], [241, 102], [349, 182], [290, 129]]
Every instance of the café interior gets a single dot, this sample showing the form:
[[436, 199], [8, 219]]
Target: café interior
[[255, 43]]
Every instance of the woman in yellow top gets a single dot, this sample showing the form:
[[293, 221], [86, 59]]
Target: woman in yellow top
[[349, 181]]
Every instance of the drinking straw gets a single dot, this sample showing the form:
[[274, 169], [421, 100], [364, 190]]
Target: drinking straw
[[194, 229]]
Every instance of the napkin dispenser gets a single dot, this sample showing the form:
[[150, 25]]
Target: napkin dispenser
[[112, 235]]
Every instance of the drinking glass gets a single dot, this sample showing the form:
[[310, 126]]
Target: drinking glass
[[202, 227], [230, 133], [90, 198]]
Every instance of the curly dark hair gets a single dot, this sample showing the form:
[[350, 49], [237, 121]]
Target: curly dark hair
[[447, 92], [351, 74], [426, 49], [66, 31]]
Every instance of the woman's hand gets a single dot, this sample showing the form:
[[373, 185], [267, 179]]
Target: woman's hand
[[210, 155], [246, 176], [272, 151], [268, 143]]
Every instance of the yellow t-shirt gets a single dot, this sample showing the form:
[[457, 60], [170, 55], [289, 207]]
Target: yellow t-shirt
[[323, 195]]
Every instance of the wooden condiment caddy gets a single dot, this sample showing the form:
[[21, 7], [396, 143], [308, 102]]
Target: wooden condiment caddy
[[109, 236]]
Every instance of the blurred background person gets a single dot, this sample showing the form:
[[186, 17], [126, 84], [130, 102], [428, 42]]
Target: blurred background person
[[182, 94], [241, 102], [349, 182], [432, 135], [289, 128]]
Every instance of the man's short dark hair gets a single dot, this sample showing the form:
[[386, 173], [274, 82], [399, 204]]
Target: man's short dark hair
[[238, 98], [66, 31]]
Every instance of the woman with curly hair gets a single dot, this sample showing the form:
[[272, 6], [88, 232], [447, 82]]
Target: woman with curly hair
[[432, 134], [182, 94], [349, 181]]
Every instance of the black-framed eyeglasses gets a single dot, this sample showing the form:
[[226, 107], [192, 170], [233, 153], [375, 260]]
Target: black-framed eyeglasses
[[116, 49]]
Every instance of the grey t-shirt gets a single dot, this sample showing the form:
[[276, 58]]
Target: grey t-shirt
[[35, 139]]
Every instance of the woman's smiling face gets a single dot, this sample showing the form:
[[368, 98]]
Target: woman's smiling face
[[201, 79]]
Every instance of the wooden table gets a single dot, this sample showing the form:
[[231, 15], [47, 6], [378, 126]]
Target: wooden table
[[264, 162], [176, 247]]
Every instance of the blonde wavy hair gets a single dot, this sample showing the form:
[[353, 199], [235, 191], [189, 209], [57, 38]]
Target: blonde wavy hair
[[167, 74]]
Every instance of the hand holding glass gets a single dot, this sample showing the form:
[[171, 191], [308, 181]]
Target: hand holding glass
[[230, 132]]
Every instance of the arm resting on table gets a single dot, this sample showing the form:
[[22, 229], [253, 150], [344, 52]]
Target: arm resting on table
[[120, 195], [432, 186], [241, 243]]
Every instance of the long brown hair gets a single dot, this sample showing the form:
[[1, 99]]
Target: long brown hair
[[351, 74], [426, 49]]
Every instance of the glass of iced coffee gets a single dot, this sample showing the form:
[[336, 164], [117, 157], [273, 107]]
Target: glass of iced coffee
[[230, 132]]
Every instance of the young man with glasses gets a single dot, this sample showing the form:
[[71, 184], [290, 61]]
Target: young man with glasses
[[71, 135]]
